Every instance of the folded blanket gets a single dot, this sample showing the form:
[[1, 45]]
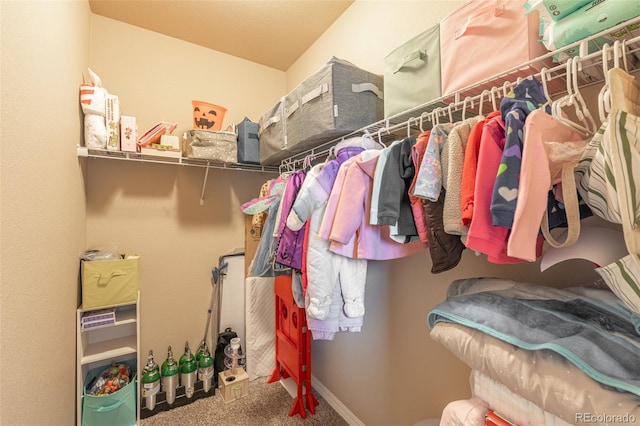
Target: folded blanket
[[600, 339]]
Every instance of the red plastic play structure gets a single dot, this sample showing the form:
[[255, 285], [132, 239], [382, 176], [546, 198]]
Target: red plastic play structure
[[293, 347]]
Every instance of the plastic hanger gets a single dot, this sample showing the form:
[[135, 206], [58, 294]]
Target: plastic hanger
[[409, 125], [493, 98], [451, 106], [380, 135], [464, 107], [482, 100], [573, 98], [435, 120], [422, 116], [604, 102], [544, 75], [583, 110]]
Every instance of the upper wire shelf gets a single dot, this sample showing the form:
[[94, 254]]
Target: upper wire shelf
[[181, 161], [481, 96]]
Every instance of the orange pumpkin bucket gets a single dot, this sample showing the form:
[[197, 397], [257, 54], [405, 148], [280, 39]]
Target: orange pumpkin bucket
[[207, 116]]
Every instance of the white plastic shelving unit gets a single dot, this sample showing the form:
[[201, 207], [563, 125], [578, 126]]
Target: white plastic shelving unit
[[99, 346]]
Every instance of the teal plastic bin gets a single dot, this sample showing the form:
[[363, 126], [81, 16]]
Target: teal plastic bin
[[117, 409]]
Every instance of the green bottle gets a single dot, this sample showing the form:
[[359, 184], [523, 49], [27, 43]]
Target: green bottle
[[205, 367], [169, 373], [188, 371], [201, 349], [150, 382], [184, 354]]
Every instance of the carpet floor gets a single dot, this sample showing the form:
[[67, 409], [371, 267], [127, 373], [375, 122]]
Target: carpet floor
[[266, 404]]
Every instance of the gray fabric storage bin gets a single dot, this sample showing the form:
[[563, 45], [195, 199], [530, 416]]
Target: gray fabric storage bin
[[336, 100], [412, 73], [294, 121], [248, 142], [272, 134], [209, 145]]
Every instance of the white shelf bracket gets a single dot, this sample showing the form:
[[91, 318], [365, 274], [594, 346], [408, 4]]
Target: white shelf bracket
[[204, 184]]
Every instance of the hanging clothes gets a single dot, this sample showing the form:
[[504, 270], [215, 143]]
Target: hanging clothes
[[289, 251], [452, 170], [394, 205], [429, 180], [377, 182], [324, 269], [538, 174], [445, 249], [527, 96], [345, 222], [417, 206], [468, 184], [483, 235]]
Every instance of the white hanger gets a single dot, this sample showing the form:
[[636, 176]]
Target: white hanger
[[380, 135], [435, 120], [493, 97], [482, 100], [464, 107], [575, 100], [544, 74], [421, 117], [506, 88], [583, 110], [450, 113], [409, 125], [604, 102]]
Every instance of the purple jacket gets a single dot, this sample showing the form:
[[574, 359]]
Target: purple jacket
[[290, 243]]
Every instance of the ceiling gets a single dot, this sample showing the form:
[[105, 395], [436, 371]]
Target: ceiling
[[274, 33]]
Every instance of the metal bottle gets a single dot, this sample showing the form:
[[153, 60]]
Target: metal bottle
[[150, 382], [201, 349], [169, 372], [188, 370], [205, 367], [183, 357]]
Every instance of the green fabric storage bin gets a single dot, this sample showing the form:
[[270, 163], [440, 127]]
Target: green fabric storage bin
[[117, 409], [109, 282], [412, 73]]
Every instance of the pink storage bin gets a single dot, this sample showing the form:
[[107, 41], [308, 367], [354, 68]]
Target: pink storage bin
[[483, 38]]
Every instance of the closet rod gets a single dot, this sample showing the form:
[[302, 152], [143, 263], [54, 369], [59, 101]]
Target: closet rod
[[479, 90]]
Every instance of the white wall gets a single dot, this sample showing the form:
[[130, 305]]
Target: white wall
[[44, 45]]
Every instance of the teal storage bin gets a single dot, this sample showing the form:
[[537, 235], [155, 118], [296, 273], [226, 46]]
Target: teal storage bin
[[117, 409]]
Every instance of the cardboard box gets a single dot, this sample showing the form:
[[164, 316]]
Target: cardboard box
[[109, 282], [128, 133]]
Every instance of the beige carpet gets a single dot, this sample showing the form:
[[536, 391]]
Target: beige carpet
[[266, 404]]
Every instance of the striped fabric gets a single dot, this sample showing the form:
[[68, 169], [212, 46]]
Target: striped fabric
[[608, 177], [623, 278]]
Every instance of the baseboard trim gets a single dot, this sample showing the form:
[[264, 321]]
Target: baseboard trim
[[335, 403]]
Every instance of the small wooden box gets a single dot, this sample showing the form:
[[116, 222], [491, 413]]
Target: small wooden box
[[232, 386]]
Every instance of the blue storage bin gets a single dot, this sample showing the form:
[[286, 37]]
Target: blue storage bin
[[248, 142], [116, 409]]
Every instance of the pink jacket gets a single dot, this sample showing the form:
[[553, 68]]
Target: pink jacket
[[345, 222], [538, 174]]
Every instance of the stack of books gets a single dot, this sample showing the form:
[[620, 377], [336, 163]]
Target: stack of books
[[98, 318]]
